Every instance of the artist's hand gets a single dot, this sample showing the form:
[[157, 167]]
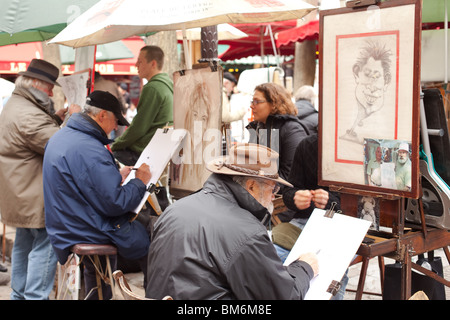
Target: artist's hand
[[124, 172], [74, 108], [311, 259], [143, 173], [302, 199], [320, 198], [61, 113]]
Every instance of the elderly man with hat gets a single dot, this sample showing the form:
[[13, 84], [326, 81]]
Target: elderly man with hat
[[403, 168], [214, 244], [27, 121], [85, 201]]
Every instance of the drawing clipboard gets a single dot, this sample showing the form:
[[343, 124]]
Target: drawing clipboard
[[157, 155], [335, 240]]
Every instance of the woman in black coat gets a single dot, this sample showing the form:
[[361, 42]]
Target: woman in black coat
[[276, 124]]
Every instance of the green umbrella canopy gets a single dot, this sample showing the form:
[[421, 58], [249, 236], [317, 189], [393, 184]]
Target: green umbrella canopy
[[434, 10], [105, 52], [30, 20]]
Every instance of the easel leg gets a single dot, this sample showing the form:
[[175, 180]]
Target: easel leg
[[381, 267], [4, 243], [406, 276], [362, 278], [447, 253]]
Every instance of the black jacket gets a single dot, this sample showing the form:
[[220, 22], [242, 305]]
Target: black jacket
[[303, 176], [212, 245], [282, 133], [308, 115]]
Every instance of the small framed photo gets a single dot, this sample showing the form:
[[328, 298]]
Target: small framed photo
[[369, 94]]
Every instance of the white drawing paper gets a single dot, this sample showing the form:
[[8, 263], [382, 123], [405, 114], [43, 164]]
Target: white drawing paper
[[157, 155], [335, 241]]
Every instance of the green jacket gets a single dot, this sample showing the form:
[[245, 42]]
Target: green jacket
[[154, 110]]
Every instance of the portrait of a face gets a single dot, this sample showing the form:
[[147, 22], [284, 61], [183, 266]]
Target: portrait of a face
[[197, 108], [372, 76]]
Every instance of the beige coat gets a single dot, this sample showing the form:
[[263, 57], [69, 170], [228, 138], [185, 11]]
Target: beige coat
[[26, 124]]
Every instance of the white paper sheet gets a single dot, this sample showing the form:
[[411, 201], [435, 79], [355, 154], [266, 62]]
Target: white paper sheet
[[157, 155], [335, 241], [74, 87]]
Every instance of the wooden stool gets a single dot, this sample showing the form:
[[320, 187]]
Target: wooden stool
[[93, 251]]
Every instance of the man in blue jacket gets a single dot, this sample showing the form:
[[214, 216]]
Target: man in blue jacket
[[85, 201]]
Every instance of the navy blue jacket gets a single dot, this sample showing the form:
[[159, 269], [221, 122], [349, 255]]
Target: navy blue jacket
[[83, 196]]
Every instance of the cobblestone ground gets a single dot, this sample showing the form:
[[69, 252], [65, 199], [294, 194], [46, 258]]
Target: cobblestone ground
[[373, 284]]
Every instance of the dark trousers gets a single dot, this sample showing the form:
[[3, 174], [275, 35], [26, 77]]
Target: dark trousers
[[126, 157]]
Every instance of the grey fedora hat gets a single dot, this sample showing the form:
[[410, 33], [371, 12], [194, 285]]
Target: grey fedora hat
[[42, 70], [248, 159]]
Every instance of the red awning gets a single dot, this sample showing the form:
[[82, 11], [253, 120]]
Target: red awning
[[308, 31], [257, 35], [16, 57]]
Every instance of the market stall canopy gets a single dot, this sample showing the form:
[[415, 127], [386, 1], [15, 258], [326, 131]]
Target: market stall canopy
[[258, 40], [31, 20], [435, 64], [15, 58], [433, 13], [308, 31], [105, 52], [111, 20]]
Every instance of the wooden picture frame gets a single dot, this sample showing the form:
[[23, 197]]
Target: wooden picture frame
[[197, 107], [369, 89]]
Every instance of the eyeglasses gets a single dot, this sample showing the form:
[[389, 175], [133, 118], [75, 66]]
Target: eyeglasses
[[255, 102], [275, 188]]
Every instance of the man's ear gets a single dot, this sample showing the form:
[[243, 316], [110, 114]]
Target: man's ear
[[101, 116], [250, 185]]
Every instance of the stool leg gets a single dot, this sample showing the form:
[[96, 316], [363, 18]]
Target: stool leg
[[97, 276], [111, 279]]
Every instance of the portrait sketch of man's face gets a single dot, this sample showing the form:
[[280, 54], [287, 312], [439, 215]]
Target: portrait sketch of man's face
[[370, 85], [372, 76], [366, 105]]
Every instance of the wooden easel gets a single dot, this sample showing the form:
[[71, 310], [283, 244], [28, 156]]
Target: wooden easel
[[402, 244], [406, 240]]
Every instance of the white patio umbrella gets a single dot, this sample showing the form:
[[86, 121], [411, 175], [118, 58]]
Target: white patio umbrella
[[225, 31], [111, 20]]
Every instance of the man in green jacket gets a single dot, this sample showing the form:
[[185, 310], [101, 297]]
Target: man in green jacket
[[154, 110]]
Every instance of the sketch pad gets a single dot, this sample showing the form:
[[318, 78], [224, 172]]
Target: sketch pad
[[335, 241], [157, 155]]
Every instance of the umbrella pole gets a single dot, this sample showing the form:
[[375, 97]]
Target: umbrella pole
[[187, 56], [446, 42], [274, 48], [262, 47], [93, 71]]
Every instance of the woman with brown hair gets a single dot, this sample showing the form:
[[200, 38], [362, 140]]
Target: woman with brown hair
[[276, 124]]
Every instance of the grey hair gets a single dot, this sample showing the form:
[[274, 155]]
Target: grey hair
[[240, 180], [91, 110], [306, 93], [27, 82]]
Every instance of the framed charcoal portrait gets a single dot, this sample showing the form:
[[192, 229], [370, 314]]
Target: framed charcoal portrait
[[197, 107], [369, 86]]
